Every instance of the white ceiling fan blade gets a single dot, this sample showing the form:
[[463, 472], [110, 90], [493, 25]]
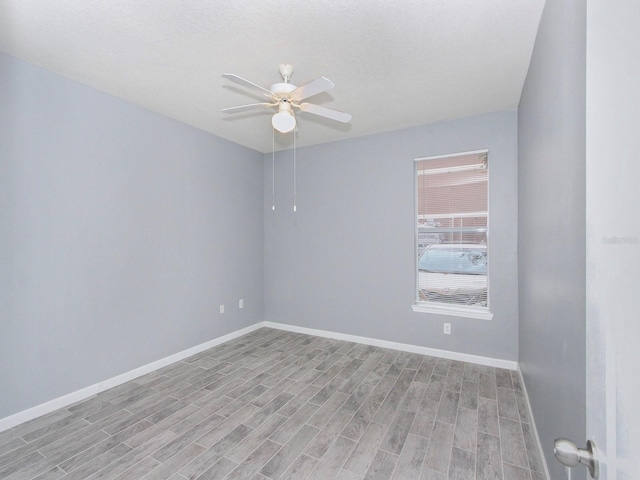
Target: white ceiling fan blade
[[314, 87], [246, 83], [244, 108], [326, 112]]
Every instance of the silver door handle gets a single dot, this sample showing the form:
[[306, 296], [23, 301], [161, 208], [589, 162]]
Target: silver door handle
[[570, 455]]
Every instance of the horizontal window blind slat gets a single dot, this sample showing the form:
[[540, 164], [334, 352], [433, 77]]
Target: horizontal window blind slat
[[455, 230]]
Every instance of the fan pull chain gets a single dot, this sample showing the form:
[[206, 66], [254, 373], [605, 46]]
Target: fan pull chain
[[294, 171], [273, 169]]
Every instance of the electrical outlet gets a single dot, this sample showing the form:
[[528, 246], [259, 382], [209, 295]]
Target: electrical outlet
[[447, 329], [221, 308], [241, 303]]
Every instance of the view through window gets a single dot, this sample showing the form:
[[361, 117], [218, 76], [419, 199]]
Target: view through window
[[452, 227]]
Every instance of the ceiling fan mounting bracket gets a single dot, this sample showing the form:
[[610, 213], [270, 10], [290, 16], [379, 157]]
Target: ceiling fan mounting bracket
[[286, 71]]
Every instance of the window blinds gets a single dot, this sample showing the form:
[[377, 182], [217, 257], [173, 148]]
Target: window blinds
[[452, 227]]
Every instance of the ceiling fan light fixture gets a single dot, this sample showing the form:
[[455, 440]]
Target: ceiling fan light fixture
[[284, 121]]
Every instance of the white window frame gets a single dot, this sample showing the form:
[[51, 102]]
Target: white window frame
[[483, 313]]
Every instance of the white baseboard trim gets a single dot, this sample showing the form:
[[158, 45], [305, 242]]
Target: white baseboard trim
[[84, 393], [533, 424], [464, 357]]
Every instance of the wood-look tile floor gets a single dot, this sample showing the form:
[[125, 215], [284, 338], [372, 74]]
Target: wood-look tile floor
[[281, 405]]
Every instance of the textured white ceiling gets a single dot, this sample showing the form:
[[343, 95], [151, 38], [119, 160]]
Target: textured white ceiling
[[395, 64]]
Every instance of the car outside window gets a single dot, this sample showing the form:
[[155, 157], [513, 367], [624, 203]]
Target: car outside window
[[454, 274]]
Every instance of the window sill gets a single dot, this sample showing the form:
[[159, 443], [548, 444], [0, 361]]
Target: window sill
[[456, 311]]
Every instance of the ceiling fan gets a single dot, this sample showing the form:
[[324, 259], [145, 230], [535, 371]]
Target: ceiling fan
[[287, 97]]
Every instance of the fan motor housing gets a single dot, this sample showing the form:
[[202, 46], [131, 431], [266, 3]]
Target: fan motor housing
[[282, 88]]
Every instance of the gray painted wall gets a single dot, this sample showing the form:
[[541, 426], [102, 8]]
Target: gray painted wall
[[344, 261], [121, 233], [552, 208]]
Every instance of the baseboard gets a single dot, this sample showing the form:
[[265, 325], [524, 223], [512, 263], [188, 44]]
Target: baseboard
[[463, 357], [533, 424], [84, 393]]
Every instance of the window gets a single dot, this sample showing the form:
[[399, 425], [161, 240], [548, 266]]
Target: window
[[452, 217]]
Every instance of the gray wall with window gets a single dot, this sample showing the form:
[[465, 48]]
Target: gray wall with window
[[344, 262], [552, 231]]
